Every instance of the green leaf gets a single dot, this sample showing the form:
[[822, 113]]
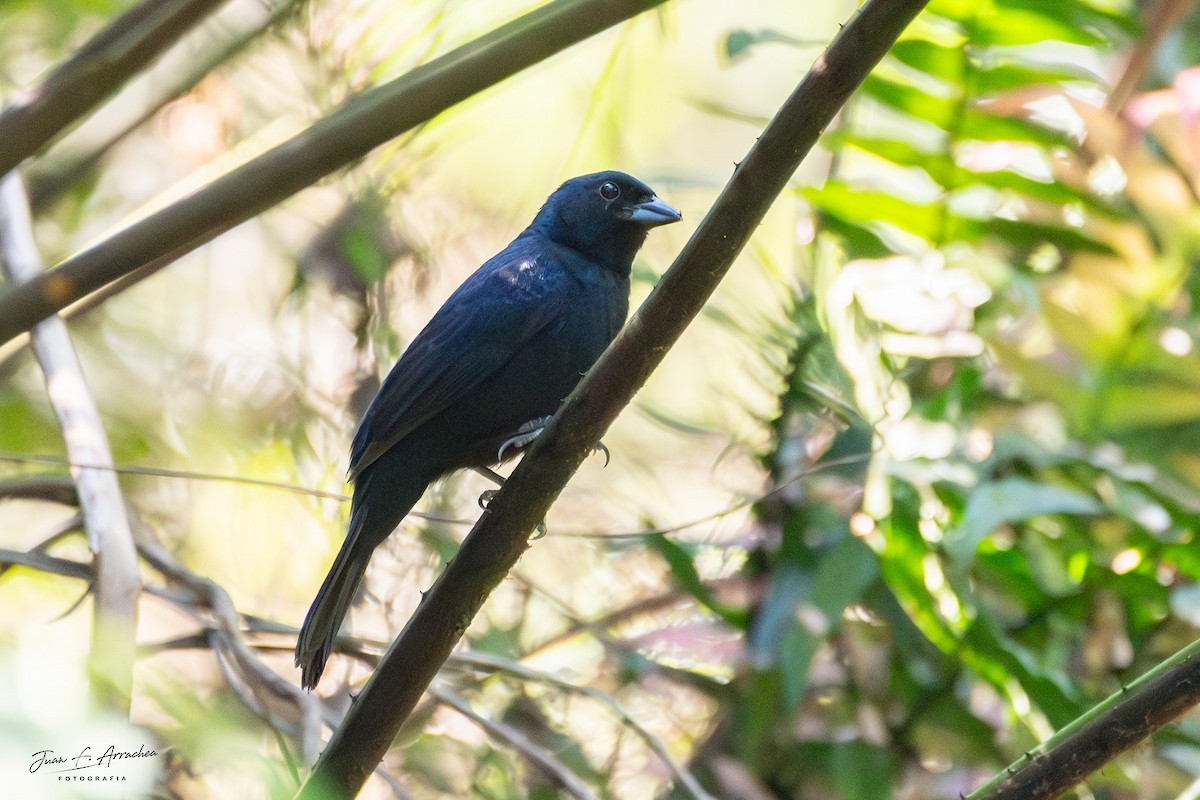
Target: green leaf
[[1009, 572], [1146, 600], [1141, 406], [872, 206], [1011, 500], [1001, 658], [739, 42], [843, 576], [756, 716], [857, 240], [776, 615], [1030, 235], [898, 151], [862, 771], [936, 163], [983, 125], [916, 103], [943, 730], [1052, 192], [902, 565], [944, 61], [955, 10], [361, 250], [1009, 76], [1014, 26], [816, 612], [683, 572], [1080, 13]]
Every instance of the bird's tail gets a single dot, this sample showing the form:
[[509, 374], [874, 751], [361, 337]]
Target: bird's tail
[[330, 607], [383, 494]]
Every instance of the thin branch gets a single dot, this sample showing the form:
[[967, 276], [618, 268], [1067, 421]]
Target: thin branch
[[223, 636], [541, 758], [40, 561], [361, 124], [166, 472], [78, 85], [117, 581], [186, 474], [281, 703], [501, 535], [732, 508], [1104, 732], [488, 663], [58, 489], [65, 528], [1160, 17]]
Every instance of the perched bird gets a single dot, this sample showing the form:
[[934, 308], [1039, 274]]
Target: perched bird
[[494, 362]]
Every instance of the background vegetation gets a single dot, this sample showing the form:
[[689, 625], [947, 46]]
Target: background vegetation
[[919, 488]]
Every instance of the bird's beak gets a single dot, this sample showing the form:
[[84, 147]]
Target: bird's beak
[[653, 212]]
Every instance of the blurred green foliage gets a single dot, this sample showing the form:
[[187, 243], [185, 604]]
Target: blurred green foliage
[[917, 490]]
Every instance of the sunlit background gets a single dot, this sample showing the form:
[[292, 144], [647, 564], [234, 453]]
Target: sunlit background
[[924, 470]]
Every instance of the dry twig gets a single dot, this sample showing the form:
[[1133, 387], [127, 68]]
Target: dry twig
[[117, 581], [560, 773]]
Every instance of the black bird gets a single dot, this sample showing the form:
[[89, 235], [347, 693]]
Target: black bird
[[494, 362]]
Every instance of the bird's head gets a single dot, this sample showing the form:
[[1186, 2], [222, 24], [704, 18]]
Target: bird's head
[[604, 216]]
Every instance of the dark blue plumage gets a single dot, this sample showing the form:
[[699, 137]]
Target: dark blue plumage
[[503, 351]]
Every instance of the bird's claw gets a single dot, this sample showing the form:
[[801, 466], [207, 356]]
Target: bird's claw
[[600, 448], [530, 431], [524, 435]]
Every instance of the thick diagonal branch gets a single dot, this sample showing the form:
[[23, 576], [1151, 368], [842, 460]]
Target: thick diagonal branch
[[501, 535]]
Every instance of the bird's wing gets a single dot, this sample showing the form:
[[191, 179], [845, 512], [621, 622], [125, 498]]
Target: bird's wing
[[495, 313]]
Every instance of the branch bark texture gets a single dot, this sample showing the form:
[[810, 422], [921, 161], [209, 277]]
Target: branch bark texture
[[501, 535], [117, 580], [363, 123], [1112, 727]]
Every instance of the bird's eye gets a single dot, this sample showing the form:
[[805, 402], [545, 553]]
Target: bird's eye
[[610, 191]]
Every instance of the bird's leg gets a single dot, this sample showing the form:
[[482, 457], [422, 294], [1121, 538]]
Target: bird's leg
[[494, 477], [487, 496], [491, 475], [524, 435]]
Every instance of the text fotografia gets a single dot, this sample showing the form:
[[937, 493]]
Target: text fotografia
[[88, 759]]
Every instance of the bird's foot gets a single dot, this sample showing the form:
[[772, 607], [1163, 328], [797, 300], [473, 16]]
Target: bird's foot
[[486, 497], [530, 431], [524, 435]]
